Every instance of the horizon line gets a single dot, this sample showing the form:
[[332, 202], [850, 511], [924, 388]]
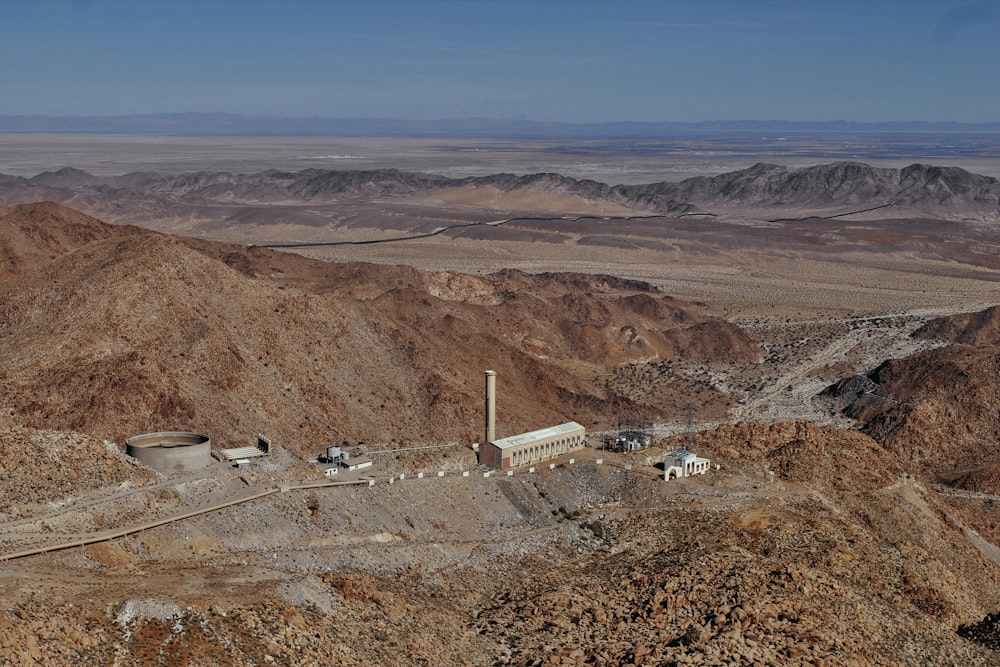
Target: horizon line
[[484, 119]]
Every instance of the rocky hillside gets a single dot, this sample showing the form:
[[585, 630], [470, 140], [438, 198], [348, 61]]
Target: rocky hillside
[[949, 192], [802, 452], [982, 328], [44, 466], [34, 234], [584, 564], [145, 332], [937, 409]]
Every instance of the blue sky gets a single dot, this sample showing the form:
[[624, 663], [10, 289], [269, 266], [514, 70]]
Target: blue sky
[[558, 60]]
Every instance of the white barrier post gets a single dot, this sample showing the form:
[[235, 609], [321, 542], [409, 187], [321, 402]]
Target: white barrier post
[[486, 474], [552, 466], [599, 461], [402, 475], [465, 473], [531, 469], [371, 482], [440, 473], [510, 473], [572, 461], [420, 475]]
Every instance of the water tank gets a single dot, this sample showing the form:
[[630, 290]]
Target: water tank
[[332, 453], [171, 451]]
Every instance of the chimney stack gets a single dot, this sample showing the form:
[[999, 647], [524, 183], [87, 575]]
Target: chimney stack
[[491, 406]]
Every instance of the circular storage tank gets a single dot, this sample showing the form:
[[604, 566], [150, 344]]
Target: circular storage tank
[[171, 451]]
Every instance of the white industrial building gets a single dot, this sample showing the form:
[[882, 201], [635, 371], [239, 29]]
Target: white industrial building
[[684, 463], [528, 448]]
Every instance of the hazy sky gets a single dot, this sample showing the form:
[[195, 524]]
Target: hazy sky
[[566, 60]]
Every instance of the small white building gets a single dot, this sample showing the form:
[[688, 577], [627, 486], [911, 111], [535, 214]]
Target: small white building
[[684, 463], [330, 472]]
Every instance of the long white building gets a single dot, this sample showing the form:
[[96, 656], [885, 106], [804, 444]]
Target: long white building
[[533, 447]]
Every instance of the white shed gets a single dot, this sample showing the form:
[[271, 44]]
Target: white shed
[[357, 463]]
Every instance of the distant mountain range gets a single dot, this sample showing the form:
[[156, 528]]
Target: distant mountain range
[[223, 124], [944, 192]]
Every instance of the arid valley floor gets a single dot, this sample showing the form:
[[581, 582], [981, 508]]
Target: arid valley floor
[[824, 329]]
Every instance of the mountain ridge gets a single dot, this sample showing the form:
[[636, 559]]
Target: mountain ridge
[[936, 408], [943, 191]]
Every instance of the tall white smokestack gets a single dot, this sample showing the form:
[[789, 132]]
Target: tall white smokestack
[[491, 406]]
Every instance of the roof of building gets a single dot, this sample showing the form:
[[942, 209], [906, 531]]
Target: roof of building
[[685, 454], [356, 461], [535, 436], [242, 453]]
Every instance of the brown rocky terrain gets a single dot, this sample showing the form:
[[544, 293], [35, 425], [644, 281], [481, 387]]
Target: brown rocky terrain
[[584, 564], [938, 408], [810, 545], [138, 333], [979, 328], [73, 464], [34, 234], [937, 412]]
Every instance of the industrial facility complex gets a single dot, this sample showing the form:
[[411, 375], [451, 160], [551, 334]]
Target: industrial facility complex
[[176, 451], [180, 451]]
